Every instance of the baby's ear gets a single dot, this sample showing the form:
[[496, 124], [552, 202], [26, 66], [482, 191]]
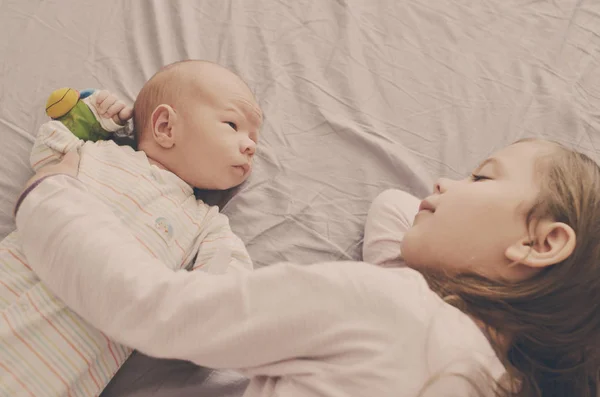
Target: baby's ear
[[552, 243], [163, 121]]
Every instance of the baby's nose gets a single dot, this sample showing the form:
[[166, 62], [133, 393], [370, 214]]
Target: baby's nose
[[249, 147]]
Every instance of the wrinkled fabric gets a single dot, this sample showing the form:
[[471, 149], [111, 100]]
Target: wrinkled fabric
[[359, 96]]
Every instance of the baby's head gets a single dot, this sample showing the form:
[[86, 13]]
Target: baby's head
[[199, 121], [517, 246]]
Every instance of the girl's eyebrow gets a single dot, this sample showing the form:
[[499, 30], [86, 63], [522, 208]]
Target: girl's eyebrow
[[494, 162]]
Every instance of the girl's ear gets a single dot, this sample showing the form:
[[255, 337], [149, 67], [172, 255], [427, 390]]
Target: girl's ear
[[163, 119], [553, 242]]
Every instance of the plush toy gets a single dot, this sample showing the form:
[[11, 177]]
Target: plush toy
[[74, 110]]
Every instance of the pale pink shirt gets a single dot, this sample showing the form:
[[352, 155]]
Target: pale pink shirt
[[330, 329], [390, 216]]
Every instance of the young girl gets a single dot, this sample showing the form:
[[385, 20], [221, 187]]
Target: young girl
[[513, 250], [515, 246]]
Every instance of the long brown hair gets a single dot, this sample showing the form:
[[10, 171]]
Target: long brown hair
[[552, 320]]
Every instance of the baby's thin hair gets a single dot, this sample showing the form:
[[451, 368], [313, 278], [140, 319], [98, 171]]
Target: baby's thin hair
[[167, 86], [161, 88]]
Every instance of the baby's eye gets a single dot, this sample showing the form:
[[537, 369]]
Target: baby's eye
[[477, 178], [232, 125]]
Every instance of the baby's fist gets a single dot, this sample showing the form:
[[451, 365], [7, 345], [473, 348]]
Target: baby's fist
[[109, 106]]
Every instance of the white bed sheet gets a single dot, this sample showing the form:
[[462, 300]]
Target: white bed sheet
[[359, 96]]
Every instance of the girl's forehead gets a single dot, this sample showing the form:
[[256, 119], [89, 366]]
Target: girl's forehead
[[525, 151], [522, 163]]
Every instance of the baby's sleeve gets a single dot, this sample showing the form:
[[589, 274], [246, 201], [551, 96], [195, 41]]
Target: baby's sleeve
[[219, 249], [391, 214], [52, 142]]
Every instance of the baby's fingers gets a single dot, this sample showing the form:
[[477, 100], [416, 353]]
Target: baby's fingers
[[125, 114], [101, 96], [114, 109], [103, 105], [119, 112]]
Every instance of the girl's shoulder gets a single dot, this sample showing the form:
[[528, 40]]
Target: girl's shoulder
[[441, 338]]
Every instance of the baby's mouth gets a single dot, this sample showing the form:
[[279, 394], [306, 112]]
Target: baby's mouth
[[426, 206], [245, 168]]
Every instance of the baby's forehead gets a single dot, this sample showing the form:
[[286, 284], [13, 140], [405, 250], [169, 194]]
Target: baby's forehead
[[214, 79], [229, 93], [216, 85]]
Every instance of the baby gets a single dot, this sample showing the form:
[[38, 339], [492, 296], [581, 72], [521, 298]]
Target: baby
[[196, 126]]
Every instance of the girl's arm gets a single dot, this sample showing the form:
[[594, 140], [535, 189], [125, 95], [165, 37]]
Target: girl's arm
[[84, 254], [390, 216], [219, 249]]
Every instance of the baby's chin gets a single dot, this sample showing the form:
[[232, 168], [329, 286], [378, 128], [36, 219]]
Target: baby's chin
[[223, 184]]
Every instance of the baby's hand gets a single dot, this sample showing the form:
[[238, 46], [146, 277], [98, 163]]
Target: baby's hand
[[109, 106]]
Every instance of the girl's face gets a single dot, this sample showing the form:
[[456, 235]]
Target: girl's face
[[468, 225]]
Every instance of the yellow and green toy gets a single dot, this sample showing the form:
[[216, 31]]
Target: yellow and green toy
[[67, 106]]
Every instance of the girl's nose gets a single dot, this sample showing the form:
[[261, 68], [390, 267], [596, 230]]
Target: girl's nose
[[441, 186]]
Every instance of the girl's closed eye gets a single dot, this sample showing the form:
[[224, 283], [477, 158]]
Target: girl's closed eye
[[232, 125], [477, 178]]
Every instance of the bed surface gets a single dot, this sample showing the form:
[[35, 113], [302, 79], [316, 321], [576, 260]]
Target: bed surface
[[359, 96]]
